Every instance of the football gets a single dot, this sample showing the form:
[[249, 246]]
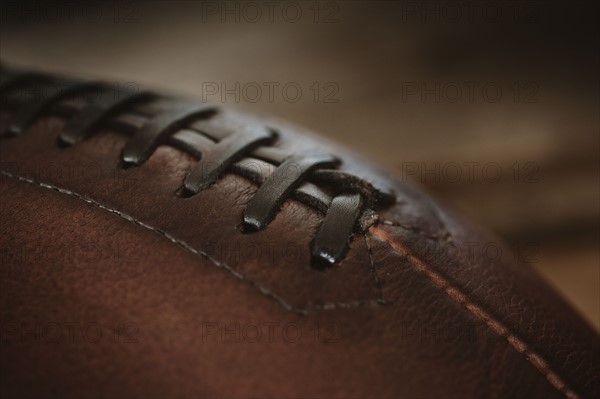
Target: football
[[159, 247]]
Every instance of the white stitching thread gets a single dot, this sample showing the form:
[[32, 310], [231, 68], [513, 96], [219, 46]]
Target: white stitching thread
[[261, 288], [519, 345]]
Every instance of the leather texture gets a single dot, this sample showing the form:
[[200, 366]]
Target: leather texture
[[180, 292]]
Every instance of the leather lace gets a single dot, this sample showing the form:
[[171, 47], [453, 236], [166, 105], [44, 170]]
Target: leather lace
[[347, 201]]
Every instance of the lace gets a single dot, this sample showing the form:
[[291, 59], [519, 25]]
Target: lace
[[347, 201]]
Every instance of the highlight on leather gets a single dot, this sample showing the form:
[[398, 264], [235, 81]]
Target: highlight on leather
[[222, 156], [340, 221], [263, 205], [29, 113], [90, 118], [158, 129]]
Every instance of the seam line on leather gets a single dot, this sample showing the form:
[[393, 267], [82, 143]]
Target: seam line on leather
[[261, 288], [455, 294], [374, 273], [480, 313], [447, 236]]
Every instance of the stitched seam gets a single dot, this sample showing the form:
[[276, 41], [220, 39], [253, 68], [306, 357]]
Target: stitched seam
[[162, 125], [455, 294], [447, 236], [374, 273], [480, 313], [261, 288]]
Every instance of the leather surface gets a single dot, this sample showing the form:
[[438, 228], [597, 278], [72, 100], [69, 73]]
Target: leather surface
[[412, 311]]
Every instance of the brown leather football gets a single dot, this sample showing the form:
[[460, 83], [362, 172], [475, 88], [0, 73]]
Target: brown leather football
[[155, 247]]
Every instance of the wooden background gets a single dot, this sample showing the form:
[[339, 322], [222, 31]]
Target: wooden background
[[358, 65]]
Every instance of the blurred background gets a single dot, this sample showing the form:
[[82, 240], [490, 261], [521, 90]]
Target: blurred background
[[491, 106]]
